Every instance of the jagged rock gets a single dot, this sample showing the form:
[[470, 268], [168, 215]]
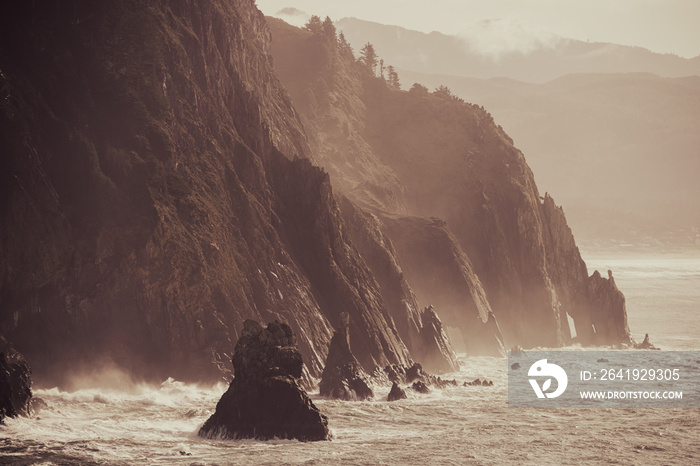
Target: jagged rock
[[420, 387], [440, 383], [395, 373], [479, 383], [373, 141], [396, 393], [416, 372], [15, 382], [343, 377], [515, 366], [437, 268], [422, 331], [646, 344], [167, 198], [265, 399]]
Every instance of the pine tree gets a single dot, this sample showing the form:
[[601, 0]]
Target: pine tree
[[368, 57], [393, 78], [344, 46], [314, 24], [418, 89], [328, 28]]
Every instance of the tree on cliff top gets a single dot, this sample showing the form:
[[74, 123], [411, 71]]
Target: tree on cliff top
[[314, 24], [327, 28], [344, 46], [393, 78], [369, 58]]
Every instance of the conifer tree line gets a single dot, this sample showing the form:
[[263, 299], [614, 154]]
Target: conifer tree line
[[369, 59]]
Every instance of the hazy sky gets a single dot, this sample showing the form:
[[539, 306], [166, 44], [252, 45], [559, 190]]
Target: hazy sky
[[659, 25]]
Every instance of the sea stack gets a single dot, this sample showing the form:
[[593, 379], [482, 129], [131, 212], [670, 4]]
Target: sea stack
[[343, 376], [265, 399], [15, 382]]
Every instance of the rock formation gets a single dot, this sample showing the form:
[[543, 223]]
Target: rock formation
[[646, 344], [396, 393], [422, 331], [420, 387], [436, 265], [15, 382], [446, 169], [157, 192], [343, 377], [265, 399]]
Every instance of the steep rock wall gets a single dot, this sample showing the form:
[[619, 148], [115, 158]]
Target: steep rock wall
[[146, 207], [454, 163]]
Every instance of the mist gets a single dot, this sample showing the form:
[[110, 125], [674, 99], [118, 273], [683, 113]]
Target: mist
[[499, 37]]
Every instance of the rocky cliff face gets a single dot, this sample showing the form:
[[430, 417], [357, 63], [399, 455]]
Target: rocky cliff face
[[421, 331], [155, 194], [504, 249], [15, 382]]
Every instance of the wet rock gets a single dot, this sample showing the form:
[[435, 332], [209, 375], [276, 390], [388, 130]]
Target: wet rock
[[343, 377], [416, 372], [515, 366], [395, 373], [442, 383], [265, 399], [15, 382], [479, 383], [420, 387], [396, 393], [646, 344]]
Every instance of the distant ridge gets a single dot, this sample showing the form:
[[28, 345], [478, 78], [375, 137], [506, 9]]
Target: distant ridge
[[454, 55]]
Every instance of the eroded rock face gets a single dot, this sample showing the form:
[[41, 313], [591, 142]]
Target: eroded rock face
[[343, 376], [396, 393], [156, 193], [15, 382], [265, 399], [433, 156], [421, 331]]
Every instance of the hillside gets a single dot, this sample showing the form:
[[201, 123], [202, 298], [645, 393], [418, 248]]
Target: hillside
[[157, 190], [619, 150], [506, 248], [538, 60]]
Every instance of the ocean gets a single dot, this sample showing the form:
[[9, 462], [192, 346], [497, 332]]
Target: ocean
[[137, 424]]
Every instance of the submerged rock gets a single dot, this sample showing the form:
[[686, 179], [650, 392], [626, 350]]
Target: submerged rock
[[479, 383], [396, 393], [420, 387], [265, 399], [646, 344], [15, 382], [343, 376]]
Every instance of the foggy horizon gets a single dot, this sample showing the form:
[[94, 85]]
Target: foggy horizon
[[659, 26]]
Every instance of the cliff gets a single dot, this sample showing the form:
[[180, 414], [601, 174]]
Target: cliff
[[156, 193], [503, 248], [421, 331]]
